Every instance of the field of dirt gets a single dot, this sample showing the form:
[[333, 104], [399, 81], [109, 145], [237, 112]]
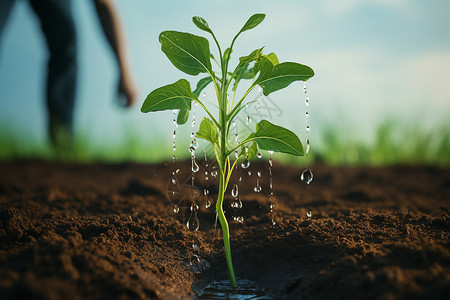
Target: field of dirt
[[109, 231]]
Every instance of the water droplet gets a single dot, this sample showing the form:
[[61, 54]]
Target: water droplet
[[247, 105], [174, 122], [193, 122], [257, 188], [306, 114], [239, 219], [235, 191], [236, 203], [195, 247], [249, 173], [273, 222], [206, 192], [304, 87], [204, 95], [177, 171], [259, 107], [245, 164], [173, 158], [193, 223], [194, 207], [194, 144], [233, 123], [236, 154], [308, 128], [249, 120], [214, 174], [307, 146], [240, 178], [174, 136], [259, 155], [174, 148], [176, 209], [236, 136], [270, 152], [271, 205], [270, 161], [174, 180], [195, 167], [208, 204], [259, 173], [307, 176], [192, 135], [309, 214], [307, 101]]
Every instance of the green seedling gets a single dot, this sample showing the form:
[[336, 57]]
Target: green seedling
[[191, 54]]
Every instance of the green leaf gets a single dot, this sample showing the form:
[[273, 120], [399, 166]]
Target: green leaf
[[227, 54], [177, 95], [202, 24], [183, 116], [252, 151], [273, 78], [273, 58], [252, 22], [276, 138], [208, 131], [202, 84], [187, 52]]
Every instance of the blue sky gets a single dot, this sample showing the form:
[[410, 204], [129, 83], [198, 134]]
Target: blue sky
[[374, 59]]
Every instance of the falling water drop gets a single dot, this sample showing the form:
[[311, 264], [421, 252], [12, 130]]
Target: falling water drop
[[259, 155], [204, 94], [235, 191], [307, 176], [309, 214], [214, 174], [249, 173], [194, 207], [307, 101], [236, 136], [193, 222], [208, 204], [245, 164], [304, 87], [176, 209], [257, 188], [259, 173], [240, 178], [307, 128], [249, 120], [174, 180], [236, 154], [193, 122], [206, 192], [307, 145], [195, 166], [270, 161], [233, 123], [174, 136], [307, 115], [192, 135]]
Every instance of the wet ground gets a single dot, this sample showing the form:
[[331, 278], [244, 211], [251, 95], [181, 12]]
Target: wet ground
[[89, 231]]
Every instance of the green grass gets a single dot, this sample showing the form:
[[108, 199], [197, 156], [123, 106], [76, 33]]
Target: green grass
[[393, 143]]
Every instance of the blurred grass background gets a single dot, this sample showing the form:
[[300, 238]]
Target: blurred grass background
[[393, 143]]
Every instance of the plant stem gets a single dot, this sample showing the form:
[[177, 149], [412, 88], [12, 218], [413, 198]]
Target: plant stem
[[225, 229]]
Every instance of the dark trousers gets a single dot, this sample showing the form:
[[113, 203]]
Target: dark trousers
[[57, 24]]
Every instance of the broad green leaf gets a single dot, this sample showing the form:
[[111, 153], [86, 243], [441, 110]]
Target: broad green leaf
[[276, 138], [252, 22], [273, 78], [187, 52], [208, 131], [202, 24], [245, 60], [183, 116], [177, 95], [202, 84]]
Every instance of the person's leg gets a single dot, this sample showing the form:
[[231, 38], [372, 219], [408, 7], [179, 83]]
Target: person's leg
[[59, 29], [5, 9]]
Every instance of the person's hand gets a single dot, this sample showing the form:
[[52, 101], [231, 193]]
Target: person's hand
[[126, 91]]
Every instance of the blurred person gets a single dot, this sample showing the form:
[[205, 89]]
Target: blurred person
[[57, 24]]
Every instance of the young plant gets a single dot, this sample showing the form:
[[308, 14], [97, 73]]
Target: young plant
[[191, 54]]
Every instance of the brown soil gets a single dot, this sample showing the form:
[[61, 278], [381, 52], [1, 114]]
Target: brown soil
[[74, 231]]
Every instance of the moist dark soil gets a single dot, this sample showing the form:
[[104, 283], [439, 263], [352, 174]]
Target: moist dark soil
[[109, 231]]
